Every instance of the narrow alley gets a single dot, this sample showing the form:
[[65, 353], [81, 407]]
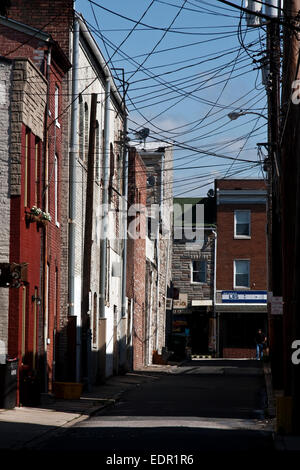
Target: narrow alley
[[202, 406]]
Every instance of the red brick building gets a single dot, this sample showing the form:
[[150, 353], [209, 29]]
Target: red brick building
[[136, 256], [241, 273], [35, 156]]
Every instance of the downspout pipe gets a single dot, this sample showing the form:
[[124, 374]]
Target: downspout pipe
[[125, 209], [72, 195], [104, 224], [46, 208]]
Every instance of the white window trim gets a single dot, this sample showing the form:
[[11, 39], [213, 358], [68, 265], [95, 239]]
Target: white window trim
[[198, 282], [234, 272], [245, 237], [56, 190], [56, 105]]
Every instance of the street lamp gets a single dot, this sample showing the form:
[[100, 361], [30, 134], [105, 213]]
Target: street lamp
[[236, 114]]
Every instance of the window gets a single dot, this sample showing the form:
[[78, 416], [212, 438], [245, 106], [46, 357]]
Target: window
[[97, 153], [56, 106], [81, 128], [95, 319], [56, 189], [86, 131], [242, 224], [36, 172], [24, 308], [27, 169], [241, 273], [199, 271]]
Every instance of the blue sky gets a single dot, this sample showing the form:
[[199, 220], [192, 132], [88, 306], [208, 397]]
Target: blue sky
[[188, 67]]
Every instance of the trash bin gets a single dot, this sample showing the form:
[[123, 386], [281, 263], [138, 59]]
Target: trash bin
[[8, 383]]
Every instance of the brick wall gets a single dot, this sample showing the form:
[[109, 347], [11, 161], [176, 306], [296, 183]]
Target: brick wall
[[136, 255], [54, 17], [230, 248], [239, 353], [240, 184]]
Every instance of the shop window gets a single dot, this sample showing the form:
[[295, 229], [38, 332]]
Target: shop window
[[199, 271], [241, 273], [242, 224]]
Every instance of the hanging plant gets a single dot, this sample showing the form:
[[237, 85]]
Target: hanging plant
[[37, 215]]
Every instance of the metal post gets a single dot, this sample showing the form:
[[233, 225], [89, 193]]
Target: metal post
[[125, 209], [104, 224], [216, 329]]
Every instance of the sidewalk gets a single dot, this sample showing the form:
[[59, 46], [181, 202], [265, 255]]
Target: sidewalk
[[21, 426]]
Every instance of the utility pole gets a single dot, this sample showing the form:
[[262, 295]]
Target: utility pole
[[87, 251], [274, 199], [291, 208]]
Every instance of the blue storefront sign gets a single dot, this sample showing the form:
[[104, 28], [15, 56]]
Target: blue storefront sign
[[244, 297]]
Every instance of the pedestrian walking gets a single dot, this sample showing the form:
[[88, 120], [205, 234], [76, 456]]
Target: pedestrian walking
[[260, 340]]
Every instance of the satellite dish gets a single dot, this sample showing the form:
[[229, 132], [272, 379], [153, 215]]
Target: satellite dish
[[143, 134], [210, 193]]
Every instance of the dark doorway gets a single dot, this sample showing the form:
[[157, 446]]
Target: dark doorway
[[199, 333]]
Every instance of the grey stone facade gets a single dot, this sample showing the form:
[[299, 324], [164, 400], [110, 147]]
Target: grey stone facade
[[28, 101], [5, 92], [182, 260]]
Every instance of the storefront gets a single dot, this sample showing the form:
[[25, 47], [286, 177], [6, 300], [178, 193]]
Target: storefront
[[193, 328], [239, 315]]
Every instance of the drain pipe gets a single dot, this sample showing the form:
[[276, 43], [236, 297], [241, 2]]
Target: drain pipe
[[125, 208], [104, 224], [72, 196]]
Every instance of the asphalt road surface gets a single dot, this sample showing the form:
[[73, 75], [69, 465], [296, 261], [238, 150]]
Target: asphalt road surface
[[207, 407]]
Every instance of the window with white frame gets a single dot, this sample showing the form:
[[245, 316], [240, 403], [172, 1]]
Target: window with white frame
[[56, 106], [56, 189], [241, 273], [199, 270], [97, 153], [242, 224]]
